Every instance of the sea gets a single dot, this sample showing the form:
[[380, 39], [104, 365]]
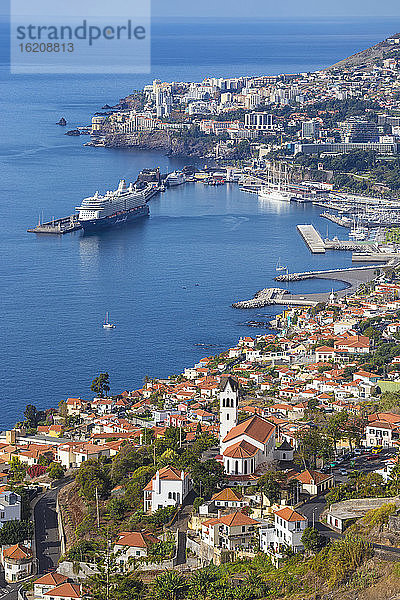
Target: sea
[[168, 281]]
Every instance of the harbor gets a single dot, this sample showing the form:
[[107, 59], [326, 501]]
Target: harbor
[[351, 277]]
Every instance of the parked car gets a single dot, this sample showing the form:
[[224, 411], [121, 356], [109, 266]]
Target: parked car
[[343, 472]]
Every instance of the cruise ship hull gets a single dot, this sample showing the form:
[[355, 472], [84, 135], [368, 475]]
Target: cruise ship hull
[[115, 220]]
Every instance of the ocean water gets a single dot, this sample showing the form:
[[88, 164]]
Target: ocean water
[[169, 280]]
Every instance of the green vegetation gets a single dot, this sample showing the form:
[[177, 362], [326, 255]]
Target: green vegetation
[[55, 470], [14, 532], [312, 540], [101, 385], [93, 478], [338, 561], [360, 485], [341, 562], [358, 170], [379, 516], [392, 235]]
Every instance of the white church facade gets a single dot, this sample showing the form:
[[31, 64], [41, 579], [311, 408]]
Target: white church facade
[[245, 446]]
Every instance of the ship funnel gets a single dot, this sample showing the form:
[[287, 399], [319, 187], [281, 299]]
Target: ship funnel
[[122, 185]]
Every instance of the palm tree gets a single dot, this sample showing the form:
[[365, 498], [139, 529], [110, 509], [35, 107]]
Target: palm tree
[[169, 586], [199, 584]]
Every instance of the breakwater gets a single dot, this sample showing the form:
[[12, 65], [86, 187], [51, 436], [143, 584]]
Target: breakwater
[[351, 277]]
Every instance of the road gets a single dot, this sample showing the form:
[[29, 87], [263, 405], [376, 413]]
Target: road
[[364, 465], [8, 591], [313, 508], [48, 547]]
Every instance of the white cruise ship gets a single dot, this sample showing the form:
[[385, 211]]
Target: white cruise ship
[[175, 178], [115, 207]]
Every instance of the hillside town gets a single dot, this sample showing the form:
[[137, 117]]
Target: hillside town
[[348, 107], [278, 452]]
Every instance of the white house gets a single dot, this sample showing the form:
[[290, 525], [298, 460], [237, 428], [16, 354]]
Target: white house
[[73, 454], [46, 583], [287, 531], [381, 433], [228, 498], [324, 354], [10, 507], [17, 561], [65, 591], [168, 487], [314, 482], [235, 531], [133, 544]]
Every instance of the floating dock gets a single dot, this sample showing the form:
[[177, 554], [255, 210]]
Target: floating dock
[[312, 238], [58, 226]]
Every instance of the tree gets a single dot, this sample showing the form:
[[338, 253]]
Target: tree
[[32, 416], [207, 476], [336, 426], [55, 470], [312, 444], [101, 385], [173, 438], [312, 540], [92, 476], [116, 508], [14, 532], [169, 457], [197, 502], [126, 461], [269, 485], [169, 585], [17, 469], [111, 582], [199, 583]]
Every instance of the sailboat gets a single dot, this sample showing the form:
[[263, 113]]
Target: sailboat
[[276, 189], [107, 324], [279, 266]]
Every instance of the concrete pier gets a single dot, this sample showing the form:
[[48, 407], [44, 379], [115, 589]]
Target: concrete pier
[[312, 238], [264, 297], [385, 257]]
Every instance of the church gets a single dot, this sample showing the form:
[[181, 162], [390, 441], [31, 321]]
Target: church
[[246, 446]]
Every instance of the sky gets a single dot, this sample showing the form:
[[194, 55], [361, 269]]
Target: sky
[[252, 8]]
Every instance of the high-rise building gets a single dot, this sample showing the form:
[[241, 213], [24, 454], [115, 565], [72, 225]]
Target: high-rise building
[[310, 129], [260, 121], [358, 130]]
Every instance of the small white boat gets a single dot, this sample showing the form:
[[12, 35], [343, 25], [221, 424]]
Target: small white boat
[[279, 266], [107, 324]]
